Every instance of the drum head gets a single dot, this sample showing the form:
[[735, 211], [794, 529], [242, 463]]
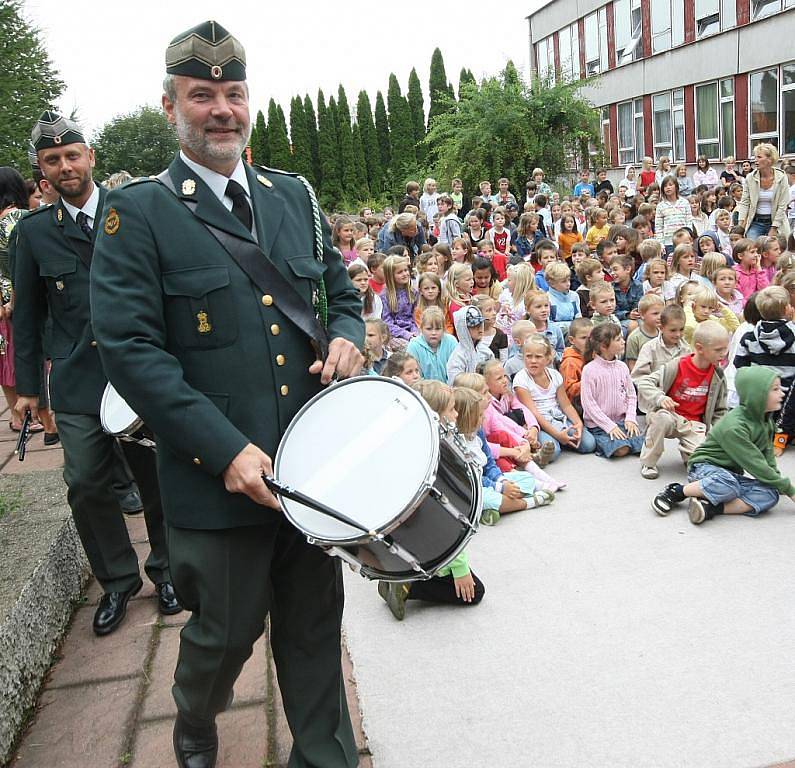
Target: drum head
[[364, 447], [116, 417]]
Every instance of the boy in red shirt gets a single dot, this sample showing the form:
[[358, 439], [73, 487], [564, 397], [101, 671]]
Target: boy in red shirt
[[684, 398]]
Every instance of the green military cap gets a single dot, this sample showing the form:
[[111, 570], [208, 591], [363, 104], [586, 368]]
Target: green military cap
[[54, 130], [206, 51], [33, 158]]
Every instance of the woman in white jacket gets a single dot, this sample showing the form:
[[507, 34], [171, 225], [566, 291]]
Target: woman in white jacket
[[763, 207]]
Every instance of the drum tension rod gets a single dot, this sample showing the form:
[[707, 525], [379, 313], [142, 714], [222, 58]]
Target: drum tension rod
[[282, 489]]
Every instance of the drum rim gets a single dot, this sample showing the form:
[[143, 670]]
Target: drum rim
[[127, 431], [426, 485]]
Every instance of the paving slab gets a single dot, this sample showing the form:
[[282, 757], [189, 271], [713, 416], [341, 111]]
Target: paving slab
[[608, 636]]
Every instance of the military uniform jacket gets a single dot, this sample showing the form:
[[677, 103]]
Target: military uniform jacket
[[51, 257], [209, 362]]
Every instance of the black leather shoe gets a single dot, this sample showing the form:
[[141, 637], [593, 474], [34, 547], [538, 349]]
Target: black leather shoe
[[195, 747], [166, 599], [131, 503], [51, 438], [112, 609]]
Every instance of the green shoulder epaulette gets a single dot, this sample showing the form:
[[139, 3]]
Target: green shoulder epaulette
[[138, 180], [275, 170], [34, 211]]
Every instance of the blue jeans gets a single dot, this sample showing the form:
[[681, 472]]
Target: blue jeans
[[757, 229], [587, 443], [720, 486]]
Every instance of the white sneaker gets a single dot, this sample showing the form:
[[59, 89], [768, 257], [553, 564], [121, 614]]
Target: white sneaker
[[650, 473]]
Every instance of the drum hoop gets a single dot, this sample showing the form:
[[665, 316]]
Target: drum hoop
[[426, 484]]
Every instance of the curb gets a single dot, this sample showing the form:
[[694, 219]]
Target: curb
[[33, 630]]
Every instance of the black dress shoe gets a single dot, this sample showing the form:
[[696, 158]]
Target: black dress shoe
[[195, 747], [51, 438], [166, 599], [131, 503], [112, 609]]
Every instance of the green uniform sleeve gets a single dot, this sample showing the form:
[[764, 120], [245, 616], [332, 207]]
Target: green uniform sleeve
[[129, 324]]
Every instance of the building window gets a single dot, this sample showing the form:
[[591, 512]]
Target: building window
[[569, 42], [626, 134], [727, 116], [667, 24], [788, 107], [661, 123], [707, 17], [728, 14], [707, 122], [628, 25], [606, 144], [602, 15], [762, 8], [591, 45], [763, 105], [679, 124], [545, 55], [639, 145]]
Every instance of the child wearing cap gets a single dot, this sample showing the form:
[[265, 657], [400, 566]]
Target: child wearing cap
[[470, 327]]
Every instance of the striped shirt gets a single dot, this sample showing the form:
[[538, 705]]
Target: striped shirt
[[670, 217], [607, 394]]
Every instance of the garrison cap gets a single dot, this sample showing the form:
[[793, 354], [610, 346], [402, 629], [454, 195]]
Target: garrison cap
[[206, 51], [54, 130]]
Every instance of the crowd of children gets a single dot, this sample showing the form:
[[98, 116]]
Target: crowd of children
[[596, 322]]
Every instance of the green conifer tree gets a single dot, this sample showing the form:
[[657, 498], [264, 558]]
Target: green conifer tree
[[438, 87], [400, 132], [372, 158], [311, 128], [350, 183], [330, 186], [277, 138], [299, 138], [465, 78], [260, 151], [417, 110], [361, 188], [382, 133]]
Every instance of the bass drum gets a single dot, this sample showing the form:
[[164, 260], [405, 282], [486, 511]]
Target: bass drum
[[371, 449]]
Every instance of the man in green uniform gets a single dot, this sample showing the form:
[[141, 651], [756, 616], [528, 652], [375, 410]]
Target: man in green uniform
[[52, 252], [217, 365]]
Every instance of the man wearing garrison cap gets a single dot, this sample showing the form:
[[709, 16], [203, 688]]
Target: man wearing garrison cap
[[213, 357], [52, 253]]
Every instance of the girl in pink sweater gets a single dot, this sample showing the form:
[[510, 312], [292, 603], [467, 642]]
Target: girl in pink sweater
[[750, 276], [609, 402]]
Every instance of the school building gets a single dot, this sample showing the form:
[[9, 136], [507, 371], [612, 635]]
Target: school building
[[679, 78]]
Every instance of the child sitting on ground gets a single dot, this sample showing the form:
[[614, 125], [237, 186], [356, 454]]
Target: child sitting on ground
[[546, 253], [485, 277], [750, 276], [502, 493], [564, 304], [433, 348], [573, 360], [493, 337], [772, 343], [589, 271], [470, 326], [375, 264], [650, 308], [402, 366], [603, 303], [609, 402], [682, 263], [669, 345], [540, 389], [360, 277], [627, 291], [376, 339], [739, 445], [538, 310], [521, 279], [520, 331], [459, 283], [657, 282], [684, 398], [725, 281], [399, 300], [454, 583], [648, 250], [430, 294], [705, 305]]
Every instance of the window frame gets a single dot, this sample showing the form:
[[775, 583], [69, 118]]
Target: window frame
[[783, 122], [701, 141], [548, 44], [768, 6], [633, 50], [709, 19], [773, 137], [626, 153], [662, 148], [591, 19], [723, 100], [571, 34], [675, 29], [680, 110]]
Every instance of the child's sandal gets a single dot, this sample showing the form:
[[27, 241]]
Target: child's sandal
[[540, 499]]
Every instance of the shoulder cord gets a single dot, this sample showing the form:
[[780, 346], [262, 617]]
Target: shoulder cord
[[320, 298]]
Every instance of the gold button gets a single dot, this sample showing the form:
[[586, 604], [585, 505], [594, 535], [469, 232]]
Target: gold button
[[93, 343], [267, 299], [275, 330], [197, 460], [280, 360], [284, 389]]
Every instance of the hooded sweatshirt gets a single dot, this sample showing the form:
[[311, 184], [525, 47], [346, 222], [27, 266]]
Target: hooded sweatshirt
[[432, 362], [770, 343], [466, 355], [742, 441]]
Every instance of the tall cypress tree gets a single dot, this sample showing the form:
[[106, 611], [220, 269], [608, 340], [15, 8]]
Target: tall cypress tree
[[299, 138], [350, 183], [372, 158], [260, 151], [361, 189], [311, 129], [330, 186], [465, 78], [382, 133], [417, 115], [277, 138], [400, 132], [438, 86]]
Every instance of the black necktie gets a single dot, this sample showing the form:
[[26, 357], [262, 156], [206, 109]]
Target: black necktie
[[240, 207], [82, 222]]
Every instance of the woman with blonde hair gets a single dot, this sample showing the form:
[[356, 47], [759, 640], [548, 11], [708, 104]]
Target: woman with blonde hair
[[763, 207]]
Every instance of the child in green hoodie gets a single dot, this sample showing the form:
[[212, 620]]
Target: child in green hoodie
[[742, 441]]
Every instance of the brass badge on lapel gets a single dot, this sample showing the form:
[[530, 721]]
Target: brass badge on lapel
[[59, 215], [59, 285], [188, 187], [262, 180], [203, 326], [112, 222]]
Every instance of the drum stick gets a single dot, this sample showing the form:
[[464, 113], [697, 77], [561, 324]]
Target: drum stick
[[24, 434], [280, 489]]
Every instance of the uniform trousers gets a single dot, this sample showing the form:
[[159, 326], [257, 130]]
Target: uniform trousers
[[89, 471], [664, 423], [230, 579]]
